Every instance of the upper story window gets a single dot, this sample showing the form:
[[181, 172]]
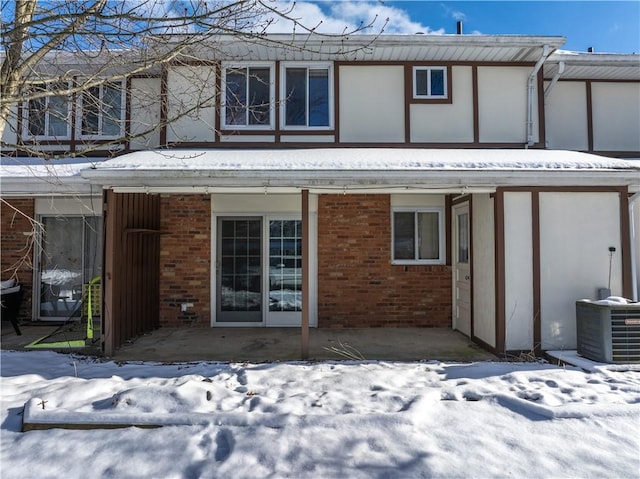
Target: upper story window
[[430, 82], [418, 236], [47, 117], [247, 96], [306, 96], [101, 111]]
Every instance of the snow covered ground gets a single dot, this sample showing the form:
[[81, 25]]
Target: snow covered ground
[[318, 420]]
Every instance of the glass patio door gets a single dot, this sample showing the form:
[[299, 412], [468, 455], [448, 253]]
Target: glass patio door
[[285, 273], [70, 256], [239, 270]]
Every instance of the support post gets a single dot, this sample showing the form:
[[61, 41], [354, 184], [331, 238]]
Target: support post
[[305, 276]]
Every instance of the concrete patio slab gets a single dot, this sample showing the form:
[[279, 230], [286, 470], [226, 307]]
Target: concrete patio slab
[[283, 344]]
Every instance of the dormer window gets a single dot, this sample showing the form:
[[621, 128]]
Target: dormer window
[[102, 111], [47, 117], [430, 83], [247, 96]]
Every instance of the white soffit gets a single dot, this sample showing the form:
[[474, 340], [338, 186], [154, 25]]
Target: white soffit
[[594, 66]]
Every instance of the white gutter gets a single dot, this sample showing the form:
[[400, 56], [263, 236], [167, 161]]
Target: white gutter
[[530, 88], [633, 233], [555, 79]]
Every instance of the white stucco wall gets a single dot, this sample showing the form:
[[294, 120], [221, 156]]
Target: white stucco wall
[[188, 87], [566, 120], [576, 230], [371, 104], [9, 135], [483, 258], [145, 113], [446, 123], [502, 104], [616, 116], [81, 205], [399, 201], [518, 252]]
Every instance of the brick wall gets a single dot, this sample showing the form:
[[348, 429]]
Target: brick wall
[[17, 247], [185, 260], [357, 284]]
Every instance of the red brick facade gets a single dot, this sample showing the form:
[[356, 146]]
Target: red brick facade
[[185, 260], [16, 244], [357, 284]]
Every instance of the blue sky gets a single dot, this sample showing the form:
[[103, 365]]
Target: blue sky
[[607, 26]]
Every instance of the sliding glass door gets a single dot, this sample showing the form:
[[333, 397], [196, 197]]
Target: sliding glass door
[[70, 255]]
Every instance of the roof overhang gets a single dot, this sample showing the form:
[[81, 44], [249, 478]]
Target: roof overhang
[[348, 170], [365, 47], [594, 66], [326, 170]]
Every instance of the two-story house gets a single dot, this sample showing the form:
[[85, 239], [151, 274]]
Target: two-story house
[[482, 183]]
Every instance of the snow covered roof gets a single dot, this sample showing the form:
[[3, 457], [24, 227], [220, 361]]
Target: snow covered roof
[[36, 176], [361, 167], [326, 168]]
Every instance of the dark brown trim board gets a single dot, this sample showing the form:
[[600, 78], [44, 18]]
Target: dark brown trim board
[[589, 116], [336, 102], [476, 105], [306, 307], [408, 93], [278, 102], [535, 241], [471, 255], [164, 98], [127, 115], [217, 118], [498, 204]]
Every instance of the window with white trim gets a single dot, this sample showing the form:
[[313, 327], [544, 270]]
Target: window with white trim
[[47, 116], [306, 96], [247, 96], [418, 236], [102, 111], [430, 82]]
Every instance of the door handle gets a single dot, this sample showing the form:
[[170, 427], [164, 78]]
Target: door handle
[[466, 277]]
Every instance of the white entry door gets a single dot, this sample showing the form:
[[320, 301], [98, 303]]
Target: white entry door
[[461, 269]]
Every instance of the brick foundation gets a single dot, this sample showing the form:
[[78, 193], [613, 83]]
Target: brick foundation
[[16, 244], [357, 284], [185, 260]]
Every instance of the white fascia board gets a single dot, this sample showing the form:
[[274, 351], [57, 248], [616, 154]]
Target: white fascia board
[[33, 187], [278, 190], [355, 179]]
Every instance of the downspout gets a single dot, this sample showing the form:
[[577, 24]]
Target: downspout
[[530, 86], [554, 80], [633, 233]]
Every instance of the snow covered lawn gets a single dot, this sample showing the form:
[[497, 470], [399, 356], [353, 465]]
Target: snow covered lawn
[[318, 420]]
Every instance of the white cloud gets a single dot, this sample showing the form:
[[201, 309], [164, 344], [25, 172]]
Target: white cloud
[[346, 16], [457, 15]]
